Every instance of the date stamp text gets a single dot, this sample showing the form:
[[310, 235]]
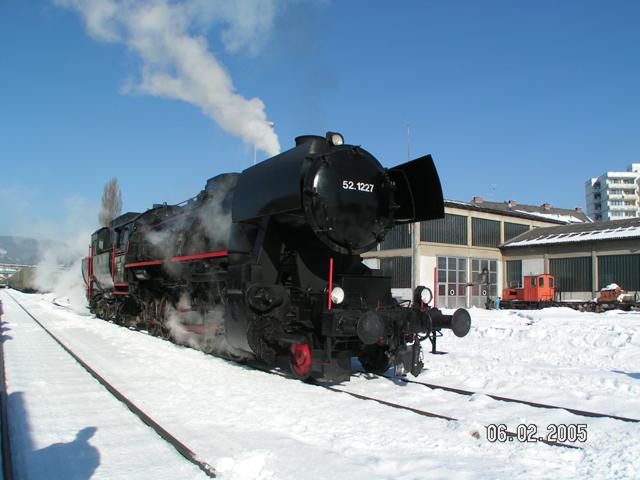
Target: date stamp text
[[573, 432]]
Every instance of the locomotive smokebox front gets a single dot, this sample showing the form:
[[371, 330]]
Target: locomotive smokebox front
[[339, 194], [347, 199]]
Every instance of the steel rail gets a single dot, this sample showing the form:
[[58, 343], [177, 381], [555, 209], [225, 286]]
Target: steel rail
[[7, 463], [181, 448], [582, 413], [425, 413], [397, 406]]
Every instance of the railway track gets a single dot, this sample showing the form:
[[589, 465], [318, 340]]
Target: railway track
[[581, 413], [7, 470], [426, 413], [180, 447], [509, 434]]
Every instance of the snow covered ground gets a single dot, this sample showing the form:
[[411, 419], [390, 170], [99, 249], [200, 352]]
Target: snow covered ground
[[251, 425]]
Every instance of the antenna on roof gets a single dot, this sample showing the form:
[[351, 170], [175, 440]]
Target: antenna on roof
[[492, 195]]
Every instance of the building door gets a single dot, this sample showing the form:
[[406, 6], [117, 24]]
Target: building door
[[452, 281], [484, 277]]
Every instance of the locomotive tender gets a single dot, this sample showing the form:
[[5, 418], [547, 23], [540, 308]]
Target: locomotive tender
[[266, 264]]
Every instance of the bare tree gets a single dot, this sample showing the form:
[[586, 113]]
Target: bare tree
[[111, 202]]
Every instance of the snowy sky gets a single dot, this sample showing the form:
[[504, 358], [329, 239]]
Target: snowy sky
[[166, 97]]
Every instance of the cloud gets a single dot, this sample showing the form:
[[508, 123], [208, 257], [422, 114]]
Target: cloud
[[176, 62]]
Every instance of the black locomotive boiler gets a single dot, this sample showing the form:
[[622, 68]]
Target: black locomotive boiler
[[265, 264]]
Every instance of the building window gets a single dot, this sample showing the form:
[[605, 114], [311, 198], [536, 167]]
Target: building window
[[399, 269], [451, 288], [514, 273], [623, 270], [451, 229], [571, 274], [512, 230], [485, 233], [398, 237]]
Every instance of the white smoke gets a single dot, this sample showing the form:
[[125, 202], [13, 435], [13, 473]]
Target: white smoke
[[209, 231], [215, 216], [213, 340], [176, 61], [59, 270]]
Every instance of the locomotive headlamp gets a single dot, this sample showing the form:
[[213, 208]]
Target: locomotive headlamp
[[335, 138], [337, 295], [423, 294], [426, 296]]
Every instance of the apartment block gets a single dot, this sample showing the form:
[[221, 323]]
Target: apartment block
[[614, 195]]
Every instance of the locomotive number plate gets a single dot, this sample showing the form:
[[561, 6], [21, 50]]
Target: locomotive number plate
[[359, 186]]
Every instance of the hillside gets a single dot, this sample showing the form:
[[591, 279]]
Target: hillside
[[19, 250]]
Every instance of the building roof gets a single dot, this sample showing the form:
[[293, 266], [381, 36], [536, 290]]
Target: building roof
[[584, 232], [122, 219], [544, 212]]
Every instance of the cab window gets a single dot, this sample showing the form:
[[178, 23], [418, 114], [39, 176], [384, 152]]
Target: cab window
[[550, 282], [541, 282], [124, 238], [104, 240]]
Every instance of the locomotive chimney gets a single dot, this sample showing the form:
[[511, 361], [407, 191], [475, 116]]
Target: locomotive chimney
[[302, 139], [314, 143]]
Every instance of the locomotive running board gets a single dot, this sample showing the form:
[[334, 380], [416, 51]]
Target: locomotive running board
[[418, 191]]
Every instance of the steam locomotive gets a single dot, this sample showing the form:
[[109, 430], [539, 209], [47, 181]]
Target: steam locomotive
[[265, 264]]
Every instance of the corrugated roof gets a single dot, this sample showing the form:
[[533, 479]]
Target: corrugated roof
[[560, 216], [583, 232]]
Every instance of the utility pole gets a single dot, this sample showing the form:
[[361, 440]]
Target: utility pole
[[414, 232]]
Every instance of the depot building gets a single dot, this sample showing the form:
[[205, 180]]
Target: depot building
[[479, 248]]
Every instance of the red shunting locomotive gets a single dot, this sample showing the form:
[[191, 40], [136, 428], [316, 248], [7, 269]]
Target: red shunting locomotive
[[536, 289]]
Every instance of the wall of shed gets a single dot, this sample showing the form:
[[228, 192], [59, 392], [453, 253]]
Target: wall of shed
[[625, 267]]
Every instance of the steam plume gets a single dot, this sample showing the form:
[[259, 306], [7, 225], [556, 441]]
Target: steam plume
[[59, 269], [177, 64], [213, 339]]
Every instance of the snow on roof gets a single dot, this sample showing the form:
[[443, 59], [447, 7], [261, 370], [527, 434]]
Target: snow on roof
[[605, 234], [542, 213], [458, 202], [554, 216]]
